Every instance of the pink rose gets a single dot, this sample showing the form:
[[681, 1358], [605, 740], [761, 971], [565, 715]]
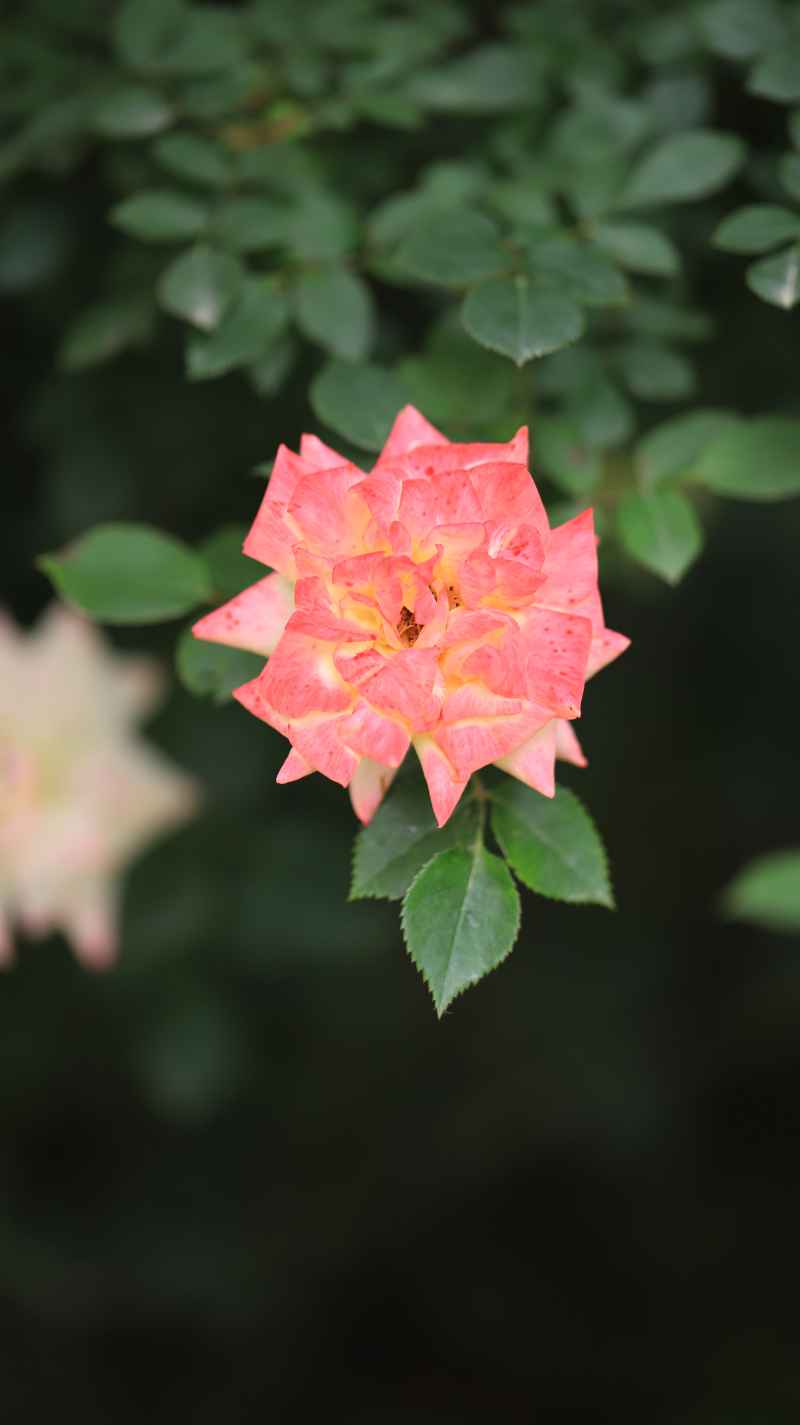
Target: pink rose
[[80, 791], [426, 602]]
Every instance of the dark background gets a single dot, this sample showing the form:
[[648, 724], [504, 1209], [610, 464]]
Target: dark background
[[249, 1164]]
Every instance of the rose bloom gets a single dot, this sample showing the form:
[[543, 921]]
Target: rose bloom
[[426, 602], [80, 791]]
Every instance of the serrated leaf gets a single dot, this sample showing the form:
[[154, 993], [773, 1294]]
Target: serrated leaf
[[639, 248], [576, 270], [789, 170], [777, 279], [777, 74], [753, 459], [756, 228], [160, 215], [551, 844], [453, 248], [335, 309], [655, 373], [194, 157], [508, 315], [673, 448], [660, 530], [129, 574], [767, 892], [212, 670], [460, 920], [683, 166], [402, 838], [359, 402], [230, 571], [200, 286], [256, 319], [132, 112]]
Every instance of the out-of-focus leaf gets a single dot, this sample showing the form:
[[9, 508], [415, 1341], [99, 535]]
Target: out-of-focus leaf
[[453, 248], [105, 329], [359, 402], [601, 413], [488, 80], [129, 574], [753, 459], [655, 373], [639, 248], [132, 112], [673, 448], [160, 215], [269, 372], [212, 670], [195, 158], [661, 531], [740, 29], [777, 74], [402, 838], [250, 224], [35, 241], [562, 455], [335, 309], [575, 270], [777, 279], [510, 316], [459, 384], [686, 165], [552, 844], [460, 920], [393, 111], [756, 228], [767, 892], [794, 128], [256, 319], [230, 570], [789, 170], [200, 286], [321, 228]]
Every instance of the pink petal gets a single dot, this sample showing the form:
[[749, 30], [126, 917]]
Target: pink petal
[[557, 648], [605, 648], [410, 429], [293, 768], [315, 453], [254, 619], [507, 494], [478, 727], [533, 762], [270, 539], [287, 469], [323, 514], [426, 504], [375, 736], [92, 932], [319, 743], [570, 582], [368, 788], [406, 686], [301, 678], [444, 785], [568, 748]]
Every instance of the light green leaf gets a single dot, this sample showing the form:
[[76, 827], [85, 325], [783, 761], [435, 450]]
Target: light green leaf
[[132, 112], [335, 309], [789, 170], [563, 456], [460, 920], [250, 224], [654, 373], [672, 449], [639, 248], [508, 315], [739, 29], [756, 228], [767, 892], [160, 215], [453, 248], [403, 837], [230, 571], [661, 531], [212, 670], [551, 844], [103, 331], [683, 166], [777, 74], [576, 270], [777, 279], [196, 158], [129, 573], [359, 402], [200, 286], [255, 321], [753, 459]]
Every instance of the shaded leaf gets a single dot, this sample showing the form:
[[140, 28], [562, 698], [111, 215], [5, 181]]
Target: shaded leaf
[[250, 224], [673, 448], [661, 531], [200, 286], [160, 215], [508, 315], [359, 402], [756, 228], [739, 29], [335, 309], [578, 271], [488, 80], [655, 373], [753, 460], [777, 279], [194, 157], [686, 165], [777, 74], [230, 571], [403, 837], [551, 844], [767, 892], [257, 317], [129, 573], [103, 331], [639, 247], [212, 670], [562, 455], [789, 169], [132, 112], [453, 248]]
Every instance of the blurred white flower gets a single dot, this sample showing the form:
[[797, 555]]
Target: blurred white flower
[[80, 791]]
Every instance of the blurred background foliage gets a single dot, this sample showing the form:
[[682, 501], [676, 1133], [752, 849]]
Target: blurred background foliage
[[250, 1161]]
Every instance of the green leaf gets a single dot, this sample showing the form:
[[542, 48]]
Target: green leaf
[[673, 448], [777, 279], [739, 29], [335, 309], [683, 166], [269, 372], [578, 271], [250, 224], [777, 74], [660, 530], [552, 845], [195, 158], [460, 920], [767, 892], [562, 455], [753, 460], [654, 373], [129, 573], [508, 315], [789, 169], [230, 571], [459, 385], [603, 416], [453, 248], [488, 80], [103, 331], [321, 228], [160, 215], [212, 670], [132, 112], [756, 228], [359, 402], [252, 325], [794, 128], [200, 286], [639, 248], [144, 29], [403, 837]]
